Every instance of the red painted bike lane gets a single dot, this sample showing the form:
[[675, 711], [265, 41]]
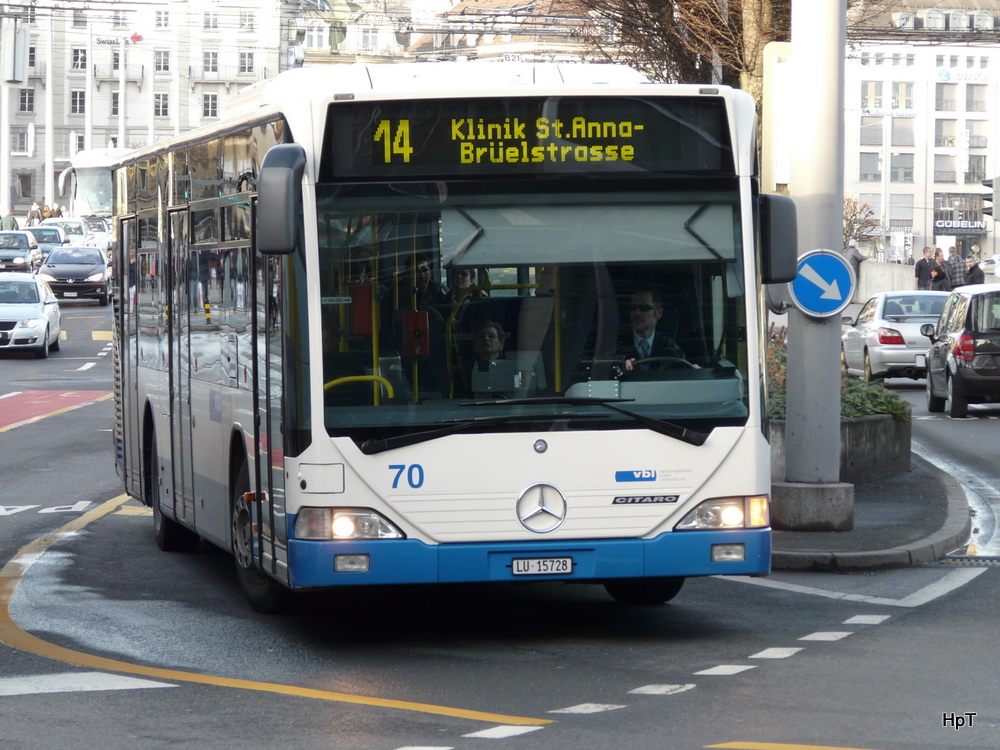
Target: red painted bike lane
[[24, 407]]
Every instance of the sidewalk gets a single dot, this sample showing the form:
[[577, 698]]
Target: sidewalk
[[915, 518]]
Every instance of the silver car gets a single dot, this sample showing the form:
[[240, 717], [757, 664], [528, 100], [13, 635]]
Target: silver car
[[29, 315], [884, 341]]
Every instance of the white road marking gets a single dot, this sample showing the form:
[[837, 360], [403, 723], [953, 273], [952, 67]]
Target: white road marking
[[776, 653], [587, 708], [661, 689], [424, 747], [502, 732], [726, 670], [74, 682], [950, 582], [86, 366], [863, 619], [825, 636]]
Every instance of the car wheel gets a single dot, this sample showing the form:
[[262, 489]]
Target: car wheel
[[43, 351], [170, 536], [958, 406], [934, 403], [644, 590], [869, 375], [264, 593], [103, 300]]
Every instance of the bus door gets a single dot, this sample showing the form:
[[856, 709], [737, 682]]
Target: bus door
[[179, 334], [268, 336], [127, 413]]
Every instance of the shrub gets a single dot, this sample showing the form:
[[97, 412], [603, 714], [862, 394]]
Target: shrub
[[857, 398]]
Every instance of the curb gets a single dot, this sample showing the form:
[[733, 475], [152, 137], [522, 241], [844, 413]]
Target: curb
[[952, 535]]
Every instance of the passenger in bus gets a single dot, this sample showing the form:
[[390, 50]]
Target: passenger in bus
[[418, 281], [488, 341], [645, 341]]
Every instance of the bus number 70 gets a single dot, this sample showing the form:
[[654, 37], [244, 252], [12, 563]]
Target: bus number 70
[[414, 475]]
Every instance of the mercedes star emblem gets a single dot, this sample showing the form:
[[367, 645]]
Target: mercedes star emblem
[[541, 508]]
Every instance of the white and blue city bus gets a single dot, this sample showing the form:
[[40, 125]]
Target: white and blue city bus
[[374, 330]]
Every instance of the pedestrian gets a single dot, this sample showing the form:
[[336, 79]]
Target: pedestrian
[[955, 267], [34, 215], [9, 221], [56, 211], [939, 279], [855, 258], [974, 274], [922, 270], [46, 212]]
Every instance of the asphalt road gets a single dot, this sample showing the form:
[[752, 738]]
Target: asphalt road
[[148, 649]]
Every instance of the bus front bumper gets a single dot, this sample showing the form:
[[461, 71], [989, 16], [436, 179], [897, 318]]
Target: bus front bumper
[[689, 553]]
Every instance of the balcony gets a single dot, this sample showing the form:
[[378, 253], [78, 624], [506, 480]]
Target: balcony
[[975, 105], [944, 176], [106, 72], [945, 105], [944, 141], [225, 74], [977, 141]]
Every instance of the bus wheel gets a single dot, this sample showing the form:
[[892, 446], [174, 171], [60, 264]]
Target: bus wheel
[[644, 590], [264, 593], [170, 536]]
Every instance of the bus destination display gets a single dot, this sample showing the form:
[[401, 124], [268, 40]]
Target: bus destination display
[[463, 137]]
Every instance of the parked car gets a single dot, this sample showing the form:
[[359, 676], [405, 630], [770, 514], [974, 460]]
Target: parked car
[[74, 272], [19, 251], [885, 339], [991, 264], [75, 229], [29, 315], [48, 238], [963, 361]]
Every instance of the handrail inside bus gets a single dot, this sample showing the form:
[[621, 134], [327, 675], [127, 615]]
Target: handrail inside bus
[[361, 379]]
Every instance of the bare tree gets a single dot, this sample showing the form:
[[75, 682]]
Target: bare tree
[[860, 221]]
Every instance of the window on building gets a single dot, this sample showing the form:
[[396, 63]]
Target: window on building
[[984, 62], [113, 141], [162, 19], [902, 95], [958, 21], [116, 60], [115, 97], [79, 58], [901, 168], [246, 20], [369, 40], [31, 57], [78, 102], [871, 95], [79, 19], [24, 184], [902, 131], [984, 21], [946, 97], [211, 61], [865, 58], [210, 105], [317, 36], [901, 210], [879, 58], [874, 201], [30, 10], [977, 169], [871, 131], [871, 168], [970, 61], [939, 61], [118, 19], [26, 100], [19, 140], [210, 21], [911, 60], [161, 60], [897, 59], [161, 105], [246, 62], [944, 133], [977, 133], [944, 168], [975, 97], [953, 61]]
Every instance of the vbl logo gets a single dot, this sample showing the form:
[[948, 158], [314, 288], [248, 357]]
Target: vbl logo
[[636, 475]]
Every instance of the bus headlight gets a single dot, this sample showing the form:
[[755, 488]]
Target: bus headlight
[[728, 513], [343, 523]]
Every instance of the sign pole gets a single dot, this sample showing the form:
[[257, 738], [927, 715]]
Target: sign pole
[[812, 496]]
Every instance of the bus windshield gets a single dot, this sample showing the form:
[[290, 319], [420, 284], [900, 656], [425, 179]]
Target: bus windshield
[[492, 304]]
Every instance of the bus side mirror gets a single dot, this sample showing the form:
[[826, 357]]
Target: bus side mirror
[[279, 198], [779, 256]]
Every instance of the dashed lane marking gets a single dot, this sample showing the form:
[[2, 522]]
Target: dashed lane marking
[[775, 653], [662, 689], [726, 670], [12, 635], [587, 708], [74, 682], [826, 636], [501, 733]]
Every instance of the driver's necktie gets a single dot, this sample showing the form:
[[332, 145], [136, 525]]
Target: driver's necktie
[[644, 349]]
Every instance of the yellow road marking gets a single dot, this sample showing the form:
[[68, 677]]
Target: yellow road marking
[[776, 746], [101, 335], [12, 635]]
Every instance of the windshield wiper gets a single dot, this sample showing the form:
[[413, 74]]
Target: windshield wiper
[[660, 426], [452, 426]]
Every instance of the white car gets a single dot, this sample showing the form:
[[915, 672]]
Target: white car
[[884, 341], [29, 315], [76, 230]]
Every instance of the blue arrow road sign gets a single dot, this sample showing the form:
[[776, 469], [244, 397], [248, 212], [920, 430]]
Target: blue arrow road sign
[[824, 285]]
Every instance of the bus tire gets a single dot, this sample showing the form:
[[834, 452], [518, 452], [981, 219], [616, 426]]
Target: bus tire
[[644, 590], [264, 593], [170, 536]]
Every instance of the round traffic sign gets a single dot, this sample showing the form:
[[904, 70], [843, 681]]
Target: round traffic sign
[[824, 285]]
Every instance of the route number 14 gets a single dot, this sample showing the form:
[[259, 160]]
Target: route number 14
[[394, 143]]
